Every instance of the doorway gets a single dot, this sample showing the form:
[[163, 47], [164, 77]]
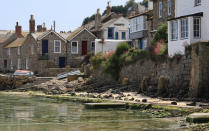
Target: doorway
[[62, 62], [84, 47]]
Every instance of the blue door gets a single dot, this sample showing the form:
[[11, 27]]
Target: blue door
[[62, 62], [44, 47], [141, 44]]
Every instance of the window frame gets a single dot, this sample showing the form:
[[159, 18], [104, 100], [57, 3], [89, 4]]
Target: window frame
[[197, 2], [160, 8], [169, 7], [172, 33], [9, 51], [18, 50], [93, 48], [72, 48], [110, 37], [184, 23], [60, 46], [123, 38], [11, 65], [199, 30]]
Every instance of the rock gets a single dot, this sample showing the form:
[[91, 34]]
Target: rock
[[125, 99], [131, 99], [144, 100], [173, 103], [80, 79], [137, 100], [198, 118], [192, 104]]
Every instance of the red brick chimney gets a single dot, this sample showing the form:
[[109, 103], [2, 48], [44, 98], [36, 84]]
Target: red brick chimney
[[39, 28], [108, 10], [44, 27], [18, 30], [32, 24]]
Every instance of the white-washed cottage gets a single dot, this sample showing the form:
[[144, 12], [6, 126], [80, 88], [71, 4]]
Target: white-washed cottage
[[190, 25]]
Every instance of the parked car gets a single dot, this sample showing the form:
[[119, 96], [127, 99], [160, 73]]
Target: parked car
[[23, 73]]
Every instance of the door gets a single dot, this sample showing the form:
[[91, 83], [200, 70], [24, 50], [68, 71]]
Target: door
[[44, 47], [62, 62], [84, 47], [141, 44], [5, 63]]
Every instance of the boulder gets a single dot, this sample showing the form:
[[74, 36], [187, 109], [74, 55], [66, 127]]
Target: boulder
[[198, 118], [80, 79]]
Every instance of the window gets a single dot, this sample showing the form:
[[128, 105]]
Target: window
[[169, 7], [19, 64], [92, 46], [116, 35], [174, 30], [11, 65], [5, 63], [184, 28], [197, 2], [57, 46], [197, 27], [9, 52], [140, 23], [74, 47], [27, 63], [32, 49], [111, 33], [136, 44], [160, 9], [18, 50], [123, 35]]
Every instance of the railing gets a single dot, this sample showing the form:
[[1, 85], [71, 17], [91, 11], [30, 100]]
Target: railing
[[43, 57]]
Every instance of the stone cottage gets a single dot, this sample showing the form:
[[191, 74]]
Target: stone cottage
[[80, 43]]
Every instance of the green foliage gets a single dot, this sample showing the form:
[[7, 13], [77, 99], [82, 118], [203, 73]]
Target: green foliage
[[97, 60], [88, 19], [144, 3], [122, 48], [161, 34]]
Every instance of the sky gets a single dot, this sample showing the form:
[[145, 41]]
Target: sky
[[68, 14]]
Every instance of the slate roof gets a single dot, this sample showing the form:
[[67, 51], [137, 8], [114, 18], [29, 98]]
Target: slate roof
[[16, 43], [5, 35]]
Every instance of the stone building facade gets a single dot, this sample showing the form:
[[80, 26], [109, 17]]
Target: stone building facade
[[162, 11]]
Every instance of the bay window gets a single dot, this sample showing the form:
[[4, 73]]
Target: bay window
[[197, 27], [174, 30], [184, 28]]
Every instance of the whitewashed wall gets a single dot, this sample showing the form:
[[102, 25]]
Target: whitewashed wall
[[107, 46], [186, 7]]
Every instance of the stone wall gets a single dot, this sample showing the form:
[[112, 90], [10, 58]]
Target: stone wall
[[199, 86], [176, 71]]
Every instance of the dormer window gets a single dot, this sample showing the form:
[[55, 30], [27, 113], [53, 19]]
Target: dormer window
[[197, 2]]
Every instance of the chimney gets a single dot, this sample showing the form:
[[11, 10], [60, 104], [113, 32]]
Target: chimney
[[54, 25], [39, 28], [32, 24], [108, 10], [18, 30], [44, 27], [98, 20]]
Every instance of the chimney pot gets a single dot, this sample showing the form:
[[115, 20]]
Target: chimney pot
[[18, 30], [32, 24]]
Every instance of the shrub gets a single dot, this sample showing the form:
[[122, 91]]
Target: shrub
[[161, 34], [97, 60], [122, 48]]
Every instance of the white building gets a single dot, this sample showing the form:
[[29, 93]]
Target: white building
[[107, 45], [190, 25]]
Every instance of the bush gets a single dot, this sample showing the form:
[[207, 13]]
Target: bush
[[97, 60], [122, 48]]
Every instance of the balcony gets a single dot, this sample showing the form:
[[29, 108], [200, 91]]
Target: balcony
[[43, 57]]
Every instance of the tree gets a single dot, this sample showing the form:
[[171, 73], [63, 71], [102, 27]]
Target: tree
[[144, 3]]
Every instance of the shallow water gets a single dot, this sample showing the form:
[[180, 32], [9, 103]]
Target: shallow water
[[44, 114]]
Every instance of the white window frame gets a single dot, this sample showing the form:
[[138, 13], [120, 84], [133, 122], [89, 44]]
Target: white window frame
[[199, 30], [72, 47], [160, 9], [174, 30], [18, 63], [197, 2], [184, 28], [93, 48], [27, 63], [9, 51], [59, 46], [11, 65], [18, 50], [169, 7]]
